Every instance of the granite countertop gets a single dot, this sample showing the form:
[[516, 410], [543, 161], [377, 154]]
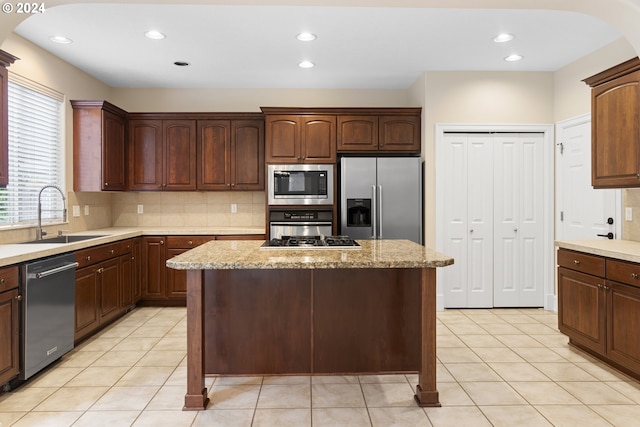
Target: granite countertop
[[14, 253], [238, 255], [626, 250]]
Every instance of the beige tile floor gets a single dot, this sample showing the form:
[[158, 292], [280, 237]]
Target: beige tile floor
[[501, 367]]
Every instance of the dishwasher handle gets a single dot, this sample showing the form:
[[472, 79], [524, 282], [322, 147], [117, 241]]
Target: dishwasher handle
[[55, 270]]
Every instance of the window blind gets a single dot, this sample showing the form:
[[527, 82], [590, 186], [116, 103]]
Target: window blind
[[35, 155]]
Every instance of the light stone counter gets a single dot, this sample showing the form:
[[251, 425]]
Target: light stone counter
[[626, 250], [15, 253], [238, 255]]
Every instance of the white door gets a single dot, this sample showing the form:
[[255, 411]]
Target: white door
[[468, 218], [582, 211], [518, 220]]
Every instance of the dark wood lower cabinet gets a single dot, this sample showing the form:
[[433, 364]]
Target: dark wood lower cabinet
[[599, 313], [9, 324]]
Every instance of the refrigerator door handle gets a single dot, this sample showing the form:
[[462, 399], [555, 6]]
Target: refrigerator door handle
[[380, 211], [374, 209]]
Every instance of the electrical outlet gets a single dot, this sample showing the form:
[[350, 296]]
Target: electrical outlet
[[86, 210], [234, 208], [140, 209], [628, 214], [76, 210]]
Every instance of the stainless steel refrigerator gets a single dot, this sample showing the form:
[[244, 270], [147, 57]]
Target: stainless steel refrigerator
[[381, 198]]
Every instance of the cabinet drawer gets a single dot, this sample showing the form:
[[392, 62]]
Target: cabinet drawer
[[8, 278], [99, 253], [590, 264], [623, 272], [187, 242]]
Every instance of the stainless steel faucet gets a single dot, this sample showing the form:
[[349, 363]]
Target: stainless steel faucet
[[40, 233]]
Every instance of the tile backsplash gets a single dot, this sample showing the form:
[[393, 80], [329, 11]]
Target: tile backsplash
[[189, 209]]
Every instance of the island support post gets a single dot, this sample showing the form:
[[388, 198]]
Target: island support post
[[197, 396], [426, 391]]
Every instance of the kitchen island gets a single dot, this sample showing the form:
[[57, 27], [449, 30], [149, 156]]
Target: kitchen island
[[264, 311]]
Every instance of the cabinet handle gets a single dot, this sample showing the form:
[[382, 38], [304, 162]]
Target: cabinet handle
[[19, 297], [576, 262], [634, 276], [112, 251], [88, 257], [2, 281]]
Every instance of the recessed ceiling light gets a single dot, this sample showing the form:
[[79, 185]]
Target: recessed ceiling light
[[60, 39], [306, 64], [181, 63], [154, 34], [306, 37], [513, 58], [501, 38]]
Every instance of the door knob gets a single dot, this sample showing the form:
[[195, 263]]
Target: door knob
[[609, 235], [609, 220]]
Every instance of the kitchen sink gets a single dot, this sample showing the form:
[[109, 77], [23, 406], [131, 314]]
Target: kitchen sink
[[65, 239]]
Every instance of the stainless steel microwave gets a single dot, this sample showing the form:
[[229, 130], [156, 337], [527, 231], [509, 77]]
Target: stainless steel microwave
[[304, 184]]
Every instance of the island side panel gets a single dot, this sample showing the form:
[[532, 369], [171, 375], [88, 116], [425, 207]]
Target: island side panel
[[426, 390], [366, 320], [257, 322], [197, 395]]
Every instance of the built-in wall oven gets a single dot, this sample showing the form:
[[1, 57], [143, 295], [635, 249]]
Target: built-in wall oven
[[304, 184], [317, 222]]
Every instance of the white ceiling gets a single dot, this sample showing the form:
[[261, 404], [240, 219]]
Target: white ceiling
[[256, 46]]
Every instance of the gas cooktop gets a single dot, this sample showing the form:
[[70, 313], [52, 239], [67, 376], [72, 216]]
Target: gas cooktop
[[312, 242]]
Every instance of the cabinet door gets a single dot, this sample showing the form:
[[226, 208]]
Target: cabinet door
[[153, 260], [176, 279], [108, 274], [214, 155], [136, 257], [247, 160], [623, 323], [145, 154], [86, 308], [179, 155], [318, 144], [582, 308], [357, 133], [9, 334], [113, 152], [283, 139], [616, 132], [399, 133], [126, 281]]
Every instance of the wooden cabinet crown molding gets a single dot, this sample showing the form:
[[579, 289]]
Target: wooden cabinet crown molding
[[386, 111], [104, 105], [6, 59], [613, 73], [196, 116]]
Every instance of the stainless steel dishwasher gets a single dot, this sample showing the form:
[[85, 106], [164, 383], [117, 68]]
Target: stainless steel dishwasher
[[48, 314]]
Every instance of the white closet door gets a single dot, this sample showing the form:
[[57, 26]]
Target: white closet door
[[518, 216], [468, 220]]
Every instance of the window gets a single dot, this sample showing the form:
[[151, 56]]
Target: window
[[35, 154]]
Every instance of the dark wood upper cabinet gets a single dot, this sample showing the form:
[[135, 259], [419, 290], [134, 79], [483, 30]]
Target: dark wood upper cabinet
[[615, 126], [230, 155], [179, 153], [6, 59], [294, 138], [399, 133], [145, 154], [357, 133], [99, 146], [396, 132]]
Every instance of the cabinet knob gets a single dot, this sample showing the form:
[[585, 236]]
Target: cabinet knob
[[190, 242], [133, 258], [634, 275], [162, 242], [2, 281], [600, 286], [606, 287], [112, 251], [88, 257], [100, 270], [106, 184], [19, 297], [576, 262]]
